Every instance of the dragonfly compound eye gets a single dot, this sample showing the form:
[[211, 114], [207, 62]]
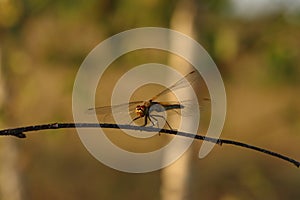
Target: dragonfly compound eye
[[140, 111]]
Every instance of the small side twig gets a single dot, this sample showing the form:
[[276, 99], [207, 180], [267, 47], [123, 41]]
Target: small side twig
[[19, 132]]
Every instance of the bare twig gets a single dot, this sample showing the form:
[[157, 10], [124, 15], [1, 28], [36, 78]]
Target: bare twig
[[19, 132]]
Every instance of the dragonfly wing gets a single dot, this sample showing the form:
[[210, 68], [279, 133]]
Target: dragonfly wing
[[105, 113], [187, 80], [116, 108], [186, 108]]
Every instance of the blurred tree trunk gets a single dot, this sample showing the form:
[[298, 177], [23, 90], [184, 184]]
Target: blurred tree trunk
[[175, 178], [10, 184]]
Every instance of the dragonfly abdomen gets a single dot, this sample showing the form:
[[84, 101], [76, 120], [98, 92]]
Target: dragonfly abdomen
[[173, 106], [161, 107]]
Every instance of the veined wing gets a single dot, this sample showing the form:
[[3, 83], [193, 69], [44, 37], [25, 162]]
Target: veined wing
[[105, 113], [187, 107], [190, 78]]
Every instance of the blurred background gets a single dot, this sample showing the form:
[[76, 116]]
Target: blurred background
[[255, 45]]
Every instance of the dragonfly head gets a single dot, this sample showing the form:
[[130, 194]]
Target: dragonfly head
[[140, 111]]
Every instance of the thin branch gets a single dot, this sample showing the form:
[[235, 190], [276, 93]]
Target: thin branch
[[19, 132]]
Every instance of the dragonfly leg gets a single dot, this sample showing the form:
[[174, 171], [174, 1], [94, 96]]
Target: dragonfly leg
[[153, 124], [135, 119], [169, 125], [146, 120], [153, 116]]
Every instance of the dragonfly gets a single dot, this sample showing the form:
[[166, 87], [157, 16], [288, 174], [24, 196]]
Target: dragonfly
[[146, 109]]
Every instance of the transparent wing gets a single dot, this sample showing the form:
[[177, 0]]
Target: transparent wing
[[190, 78], [187, 107], [116, 108], [105, 113]]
